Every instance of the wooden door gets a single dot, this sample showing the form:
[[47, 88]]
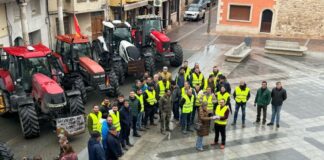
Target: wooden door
[[96, 24], [266, 21]]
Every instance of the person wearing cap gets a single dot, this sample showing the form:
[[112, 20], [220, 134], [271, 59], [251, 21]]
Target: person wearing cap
[[105, 106], [93, 120], [204, 117], [222, 113], [223, 94], [165, 74], [150, 103], [186, 104], [197, 78], [216, 73], [114, 150], [125, 123], [95, 150], [139, 96], [181, 78], [135, 107], [262, 100], [165, 109], [223, 82], [241, 96], [175, 98], [187, 70]]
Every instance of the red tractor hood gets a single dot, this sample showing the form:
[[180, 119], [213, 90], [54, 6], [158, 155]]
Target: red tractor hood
[[44, 84], [90, 65], [160, 36]]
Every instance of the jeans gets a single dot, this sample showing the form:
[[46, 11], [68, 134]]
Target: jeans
[[199, 142], [185, 120], [134, 122], [237, 108], [139, 120], [176, 110], [275, 114], [264, 113], [193, 114], [222, 130]]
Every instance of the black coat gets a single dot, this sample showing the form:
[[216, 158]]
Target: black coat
[[95, 150], [278, 96], [125, 117], [114, 150]]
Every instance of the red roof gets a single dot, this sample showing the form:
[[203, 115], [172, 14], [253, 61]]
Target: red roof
[[21, 51]]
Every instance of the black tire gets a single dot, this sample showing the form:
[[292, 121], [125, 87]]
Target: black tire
[[176, 61], [118, 68], [150, 65], [114, 83], [29, 121], [5, 152], [76, 106], [79, 85]]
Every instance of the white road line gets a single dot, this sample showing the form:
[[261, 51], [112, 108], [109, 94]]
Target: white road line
[[306, 43]]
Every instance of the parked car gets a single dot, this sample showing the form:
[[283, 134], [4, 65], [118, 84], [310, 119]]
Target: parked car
[[194, 12]]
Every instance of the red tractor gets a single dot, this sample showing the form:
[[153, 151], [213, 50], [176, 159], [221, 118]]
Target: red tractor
[[150, 37], [28, 86], [74, 54]]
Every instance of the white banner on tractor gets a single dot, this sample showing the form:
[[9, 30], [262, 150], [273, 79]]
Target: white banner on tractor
[[157, 3]]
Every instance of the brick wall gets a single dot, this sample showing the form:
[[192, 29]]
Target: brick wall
[[300, 18]]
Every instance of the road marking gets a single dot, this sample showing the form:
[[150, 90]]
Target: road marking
[[306, 43]]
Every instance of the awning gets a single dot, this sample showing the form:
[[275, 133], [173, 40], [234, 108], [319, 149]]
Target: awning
[[131, 6]]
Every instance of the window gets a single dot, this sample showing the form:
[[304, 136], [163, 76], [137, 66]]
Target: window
[[79, 1], [66, 25], [35, 37], [35, 7], [240, 13], [173, 6]]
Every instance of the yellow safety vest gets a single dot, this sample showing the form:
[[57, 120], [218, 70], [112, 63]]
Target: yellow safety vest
[[115, 119], [151, 99], [197, 102], [96, 125], [224, 96], [163, 87], [187, 73], [197, 80], [216, 76], [241, 96], [141, 100], [188, 105], [206, 84], [209, 101], [221, 112], [183, 91]]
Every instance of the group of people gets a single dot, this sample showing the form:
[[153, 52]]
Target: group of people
[[194, 100]]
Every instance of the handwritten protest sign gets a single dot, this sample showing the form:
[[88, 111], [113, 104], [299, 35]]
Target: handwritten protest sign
[[72, 125]]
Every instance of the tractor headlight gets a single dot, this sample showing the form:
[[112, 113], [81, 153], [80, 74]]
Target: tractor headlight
[[59, 105]]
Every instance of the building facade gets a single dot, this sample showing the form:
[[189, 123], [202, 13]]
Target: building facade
[[10, 23]]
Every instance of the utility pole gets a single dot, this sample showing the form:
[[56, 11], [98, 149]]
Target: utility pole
[[209, 16], [60, 17], [24, 22]]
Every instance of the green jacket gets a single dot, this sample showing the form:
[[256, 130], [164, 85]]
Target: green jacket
[[135, 106], [263, 98]]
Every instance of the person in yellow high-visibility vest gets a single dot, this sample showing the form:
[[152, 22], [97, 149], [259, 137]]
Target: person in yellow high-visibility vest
[[197, 78], [198, 94], [241, 96], [216, 73], [221, 113], [114, 113], [150, 103], [162, 86], [186, 103], [185, 88], [94, 118], [210, 82], [223, 94], [139, 96], [210, 98], [187, 70]]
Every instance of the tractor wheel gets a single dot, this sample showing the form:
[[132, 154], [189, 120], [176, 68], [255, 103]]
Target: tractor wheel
[[5, 152], [29, 121], [76, 106], [79, 84], [118, 68], [178, 55], [5, 100], [150, 65], [114, 83]]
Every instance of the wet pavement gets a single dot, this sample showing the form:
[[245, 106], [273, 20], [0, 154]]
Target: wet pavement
[[301, 135]]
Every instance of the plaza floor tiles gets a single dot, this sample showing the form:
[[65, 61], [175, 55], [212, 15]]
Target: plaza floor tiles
[[286, 154], [316, 129], [315, 143]]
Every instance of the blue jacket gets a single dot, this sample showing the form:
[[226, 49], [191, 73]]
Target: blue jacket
[[125, 117], [95, 150], [104, 133], [114, 149]]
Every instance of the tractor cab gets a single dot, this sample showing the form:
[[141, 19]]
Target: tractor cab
[[115, 32], [146, 24]]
